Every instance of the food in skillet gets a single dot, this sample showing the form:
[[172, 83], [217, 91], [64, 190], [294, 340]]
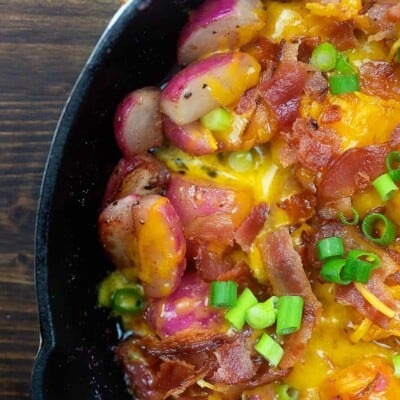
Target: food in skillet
[[254, 217]]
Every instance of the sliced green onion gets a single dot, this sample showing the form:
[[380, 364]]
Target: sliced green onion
[[286, 392], [263, 315], [341, 84], [237, 315], [127, 300], [217, 120], [353, 221], [396, 365], [385, 186], [369, 228], [357, 270], [332, 271], [343, 66], [290, 313], [269, 349], [330, 247], [223, 294], [393, 158], [324, 57], [240, 161], [366, 256]]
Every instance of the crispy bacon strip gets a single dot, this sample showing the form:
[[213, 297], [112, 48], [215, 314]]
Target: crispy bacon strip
[[282, 92], [348, 294], [354, 170], [287, 276]]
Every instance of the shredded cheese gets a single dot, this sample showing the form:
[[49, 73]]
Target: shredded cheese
[[374, 301], [393, 50], [361, 330]]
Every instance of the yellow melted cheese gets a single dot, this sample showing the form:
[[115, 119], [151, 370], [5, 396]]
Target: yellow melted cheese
[[337, 341]]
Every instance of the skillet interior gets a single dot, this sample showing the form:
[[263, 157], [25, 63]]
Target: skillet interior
[[75, 360]]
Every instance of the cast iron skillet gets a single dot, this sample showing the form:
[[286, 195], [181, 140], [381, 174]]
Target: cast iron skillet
[[75, 360]]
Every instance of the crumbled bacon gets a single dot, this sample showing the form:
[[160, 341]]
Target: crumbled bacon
[[250, 227], [332, 113], [348, 294], [354, 170], [311, 147], [341, 34], [380, 79], [282, 92], [286, 274], [264, 51], [300, 206], [316, 86]]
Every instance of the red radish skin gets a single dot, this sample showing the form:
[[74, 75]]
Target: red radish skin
[[186, 309], [192, 138], [220, 25], [141, 174], [219, 80], [143, 237], [137, 122]]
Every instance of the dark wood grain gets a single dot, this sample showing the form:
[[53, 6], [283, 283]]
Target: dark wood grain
[[43, 46]]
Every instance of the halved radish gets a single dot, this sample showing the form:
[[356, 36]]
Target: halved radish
[[141, 174], [220, 25], [137, 123], [219, 80], [143, 236]]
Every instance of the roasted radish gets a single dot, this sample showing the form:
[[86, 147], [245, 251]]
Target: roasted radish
[[219, 80], [141, 174], [143, 237], [137, 123], [220, 25]]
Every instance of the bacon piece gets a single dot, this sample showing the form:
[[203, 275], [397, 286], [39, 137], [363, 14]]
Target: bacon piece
[[210, 214], [141, 174], [348, 294], [235, 362], [382, 16], [311, 147], [250, 227], [264, 51], [380, 79], [341, 34], [307, 46], [157, 369], [331, 114], [300, 206], [287, 276], [354, 170], [185, 310], [316, 86], [283, 91]]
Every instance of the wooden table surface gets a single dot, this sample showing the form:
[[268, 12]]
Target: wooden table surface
[[43, 46]]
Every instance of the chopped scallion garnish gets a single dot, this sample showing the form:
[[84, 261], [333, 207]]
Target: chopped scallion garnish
[[383, 236], [341, 84], [357, 270], [332, 271], [269, 349], [385, 186], [223, 294], [286, 392], [240, 161], [343, 66], [263, 315], [330, 247], [396, 365], [217, 120], [237, 315], [290, 313], [324, 57], [353, 221], [127, 300], [392, 159]]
